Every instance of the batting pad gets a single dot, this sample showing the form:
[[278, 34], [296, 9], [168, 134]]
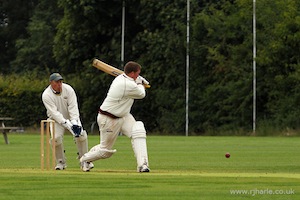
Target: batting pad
[[82, 143], [60, 154], [138, 130], [97, 153], [139, 144], [59, 149]]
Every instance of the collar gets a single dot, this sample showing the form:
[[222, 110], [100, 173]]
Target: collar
[[128, 77], [57, 93]]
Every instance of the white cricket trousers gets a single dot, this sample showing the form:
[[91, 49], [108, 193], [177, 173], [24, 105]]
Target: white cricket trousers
[[110, 128]]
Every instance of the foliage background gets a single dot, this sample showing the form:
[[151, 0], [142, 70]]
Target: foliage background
[[65, 35]]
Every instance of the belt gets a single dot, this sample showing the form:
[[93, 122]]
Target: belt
[[108, 114]]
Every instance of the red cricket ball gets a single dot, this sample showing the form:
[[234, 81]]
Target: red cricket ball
[[227, 155]]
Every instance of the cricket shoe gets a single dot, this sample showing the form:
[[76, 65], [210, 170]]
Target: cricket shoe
[[143, 168], [87, 166], [60, 166]]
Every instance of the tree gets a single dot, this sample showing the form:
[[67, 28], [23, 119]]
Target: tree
[[160, 47], [221, 64], [14, 17], [88, 29], [279, 61], [35, 51], [223, 36]]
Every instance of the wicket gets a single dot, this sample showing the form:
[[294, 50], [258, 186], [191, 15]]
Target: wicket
[[50, 124]]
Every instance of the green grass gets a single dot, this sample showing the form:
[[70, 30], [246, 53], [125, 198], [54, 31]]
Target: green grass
[[181, 168]]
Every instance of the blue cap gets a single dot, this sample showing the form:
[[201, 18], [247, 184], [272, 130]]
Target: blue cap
[[55, 77]]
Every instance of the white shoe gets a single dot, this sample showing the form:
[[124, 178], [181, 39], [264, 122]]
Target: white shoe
[[60, 166], [144, 168], [87, 166], [91, 165]]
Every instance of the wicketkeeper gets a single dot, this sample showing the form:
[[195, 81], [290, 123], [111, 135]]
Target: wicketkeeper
[[114, 117], [60, 101]]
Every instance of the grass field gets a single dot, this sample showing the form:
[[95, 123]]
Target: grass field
[[181, 168]]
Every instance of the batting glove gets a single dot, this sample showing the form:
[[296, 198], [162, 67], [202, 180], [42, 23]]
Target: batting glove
[[139, 80], [144, 81]]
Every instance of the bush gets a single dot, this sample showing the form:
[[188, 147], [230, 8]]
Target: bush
[[20, 98]]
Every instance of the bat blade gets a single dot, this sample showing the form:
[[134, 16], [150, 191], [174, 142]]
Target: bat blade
[[109, 69], [106, 68]]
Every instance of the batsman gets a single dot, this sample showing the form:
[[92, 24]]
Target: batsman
[[114, 117], [60, 101]]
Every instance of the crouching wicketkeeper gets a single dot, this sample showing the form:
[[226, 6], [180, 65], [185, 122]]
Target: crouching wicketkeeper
[[60, 101]]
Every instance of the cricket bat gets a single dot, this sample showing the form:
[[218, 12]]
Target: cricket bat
[[109, 69]]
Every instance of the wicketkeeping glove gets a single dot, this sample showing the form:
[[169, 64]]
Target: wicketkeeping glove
[[76, 130]]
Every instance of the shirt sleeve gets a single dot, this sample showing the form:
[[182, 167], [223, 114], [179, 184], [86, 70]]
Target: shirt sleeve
[[52, 109], [73, 104], [136, 91]]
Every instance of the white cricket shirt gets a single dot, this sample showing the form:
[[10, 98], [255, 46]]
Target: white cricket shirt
[[61, 106], [121, 95]]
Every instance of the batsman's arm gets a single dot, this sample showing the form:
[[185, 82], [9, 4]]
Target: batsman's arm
[[110, 69]]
